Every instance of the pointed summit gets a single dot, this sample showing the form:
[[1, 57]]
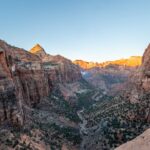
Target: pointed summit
[[38, 50]]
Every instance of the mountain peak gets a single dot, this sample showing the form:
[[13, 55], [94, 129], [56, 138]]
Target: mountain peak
[[38, 50]]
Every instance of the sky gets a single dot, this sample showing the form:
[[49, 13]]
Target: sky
[[91, 30]]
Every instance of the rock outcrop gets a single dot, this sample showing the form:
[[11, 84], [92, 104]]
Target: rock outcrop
[[145, 70], [142, 142], [38, 50], [141, 82]]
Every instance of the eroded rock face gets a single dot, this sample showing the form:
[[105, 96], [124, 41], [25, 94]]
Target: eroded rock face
[[20, 83], [8, 98], [26, 79], [23, 82], [145, 70]]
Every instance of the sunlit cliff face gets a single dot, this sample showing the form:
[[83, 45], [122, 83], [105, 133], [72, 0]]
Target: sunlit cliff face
[[37, 49], [133, 61]]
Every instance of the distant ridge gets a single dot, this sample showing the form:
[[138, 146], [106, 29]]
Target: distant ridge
[[132, 61]]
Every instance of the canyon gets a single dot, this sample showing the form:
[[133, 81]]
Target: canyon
[[29, 82], [51, 103]]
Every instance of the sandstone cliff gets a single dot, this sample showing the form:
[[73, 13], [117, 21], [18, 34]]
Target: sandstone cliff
[[26, 79], [33, 93], [23, 80], [60, 69], [145, 70]]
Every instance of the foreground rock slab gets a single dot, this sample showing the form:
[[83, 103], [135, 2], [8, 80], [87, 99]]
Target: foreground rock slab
[[142, 142]]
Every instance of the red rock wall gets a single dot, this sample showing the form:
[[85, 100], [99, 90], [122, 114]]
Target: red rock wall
[[24, 81]]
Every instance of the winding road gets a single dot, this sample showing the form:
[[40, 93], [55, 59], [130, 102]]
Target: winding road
[[83, 129]]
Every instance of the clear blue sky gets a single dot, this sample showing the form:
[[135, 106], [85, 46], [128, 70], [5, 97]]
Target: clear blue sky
[[93, 30]]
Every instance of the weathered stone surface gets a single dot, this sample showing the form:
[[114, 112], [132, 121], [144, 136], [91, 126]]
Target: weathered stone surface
[[145, 70], [23, 82], [142, 142]]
